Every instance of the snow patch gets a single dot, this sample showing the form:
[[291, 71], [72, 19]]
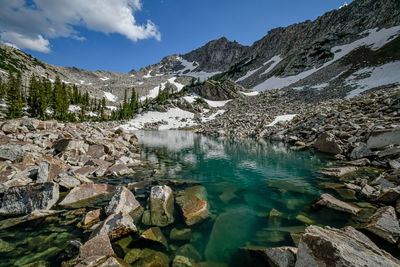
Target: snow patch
[[148, 75], [172, 119], [104, 79], [190, 66], [248, 74], [74, 108], [282, 118], [378, 76], [275, 61], [212, 116], [251, 93], [110, 97], [112, 108], [215, 104]]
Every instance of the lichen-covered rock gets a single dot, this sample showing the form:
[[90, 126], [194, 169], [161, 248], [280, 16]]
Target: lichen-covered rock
[[161, 205], [25, 199], [329, 201], [115, 226], [193, 203], [333, 247], [384, 224], [86, 192], [97, 246], [123, 201]]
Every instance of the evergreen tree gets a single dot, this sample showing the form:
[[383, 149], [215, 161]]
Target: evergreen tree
[[34, 97], [14, 96], [133, 103]]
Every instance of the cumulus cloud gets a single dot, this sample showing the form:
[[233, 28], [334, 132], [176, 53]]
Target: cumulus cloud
[[30, 24]]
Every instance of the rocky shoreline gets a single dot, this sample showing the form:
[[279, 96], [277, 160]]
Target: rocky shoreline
[[50, 169]]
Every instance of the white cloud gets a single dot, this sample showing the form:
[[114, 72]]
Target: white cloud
[[30, 26], [37, 44]]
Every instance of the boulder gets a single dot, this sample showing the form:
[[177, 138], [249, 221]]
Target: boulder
[[327, 143], [193, 203], [86, 192], [182, 261], [384, 138], [276, 257], [384, 224], [327, 200], [11, 152], [146, 257], [30, 123], [86, 171], [115, 226], [67, 181], [43, 175], [154, 234], [102, 166], [389, 195], [70, 145], [97, 246], [339, 171], [122, 201], [91, 217], [25, 199], [96, 152], [333, 247], [11, 126], [161, 205], [119, 170], [180, 234]]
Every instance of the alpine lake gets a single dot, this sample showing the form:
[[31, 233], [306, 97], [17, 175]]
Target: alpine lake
[[259, 194]]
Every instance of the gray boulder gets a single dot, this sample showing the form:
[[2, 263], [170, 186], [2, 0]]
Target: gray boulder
[[333, 247], [115, 226], [122, 201], [383, 138], [161, 205], [384, 224], [327, 143], [275, 257], [329, 201], [25, 199]]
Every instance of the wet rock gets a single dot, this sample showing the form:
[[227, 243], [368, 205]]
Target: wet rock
[[122, 201], [327, 143], [181, 261], [161, 205], [346, 193], [97, 246], [384, 223], [154, 234], [329, 201], [115, 226], [119, 170], [277, 257], [189, 251], [333, 247], [23, 200], [43, 175], [304, 219], [86, 192], [380, 139], [146, 257], [193, 203], [180, 234], [91, 217], [338, 172]]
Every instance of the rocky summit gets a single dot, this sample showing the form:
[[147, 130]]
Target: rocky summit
[[287, 154]]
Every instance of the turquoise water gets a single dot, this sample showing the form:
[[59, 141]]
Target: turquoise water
[[246, 181]]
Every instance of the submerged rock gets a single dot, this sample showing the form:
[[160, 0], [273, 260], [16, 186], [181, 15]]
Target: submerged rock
[[97, 246], [333, 247], [146, 257], [193, 203], [180, 234], [182, 261], [25, 199], [115, 226], [329, 201], [384, 224], [277, 257], [91, 217], [161, 205], [123, 201], [154, 234], [86, 192]]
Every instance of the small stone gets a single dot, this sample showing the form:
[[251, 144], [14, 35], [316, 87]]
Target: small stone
[[304, 219], [181, 261], [91, 217]]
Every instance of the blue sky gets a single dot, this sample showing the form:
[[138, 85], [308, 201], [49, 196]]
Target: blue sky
[[94, 38]]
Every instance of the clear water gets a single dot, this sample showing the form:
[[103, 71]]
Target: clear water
[[244, 179]]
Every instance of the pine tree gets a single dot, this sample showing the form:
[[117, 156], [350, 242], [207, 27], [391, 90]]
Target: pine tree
[[34, 97], [133, 103], [14, 96]]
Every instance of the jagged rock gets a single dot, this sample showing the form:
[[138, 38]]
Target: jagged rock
[[215, 90], [30, 123], [43, 173], [119, 170], [333, 247], [161, 205], [327, 143], [360, 151], [11, 126], [384, 138], [115, 226], [122, 201], [23, 200], [384, 223], [359, 162], [277, 257], [86, 192], [102, 166], [146, 257], [369, 192], [11, 152], [86, 170], [70, 145], [193, 203], [154, 234], [91, 216], [180, 234], [329, 201], [338, 172], [67, 181], [97, 246], [389, 195], [96, 151]]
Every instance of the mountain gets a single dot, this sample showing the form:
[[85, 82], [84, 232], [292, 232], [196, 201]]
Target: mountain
[[341, 53]]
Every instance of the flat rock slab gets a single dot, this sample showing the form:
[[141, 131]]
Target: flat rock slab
[[97, 246], [338, 172], [383, 138], [326, 200], [193, 203], [384, 224], [25, 199], [86, 192], [333, 247]]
